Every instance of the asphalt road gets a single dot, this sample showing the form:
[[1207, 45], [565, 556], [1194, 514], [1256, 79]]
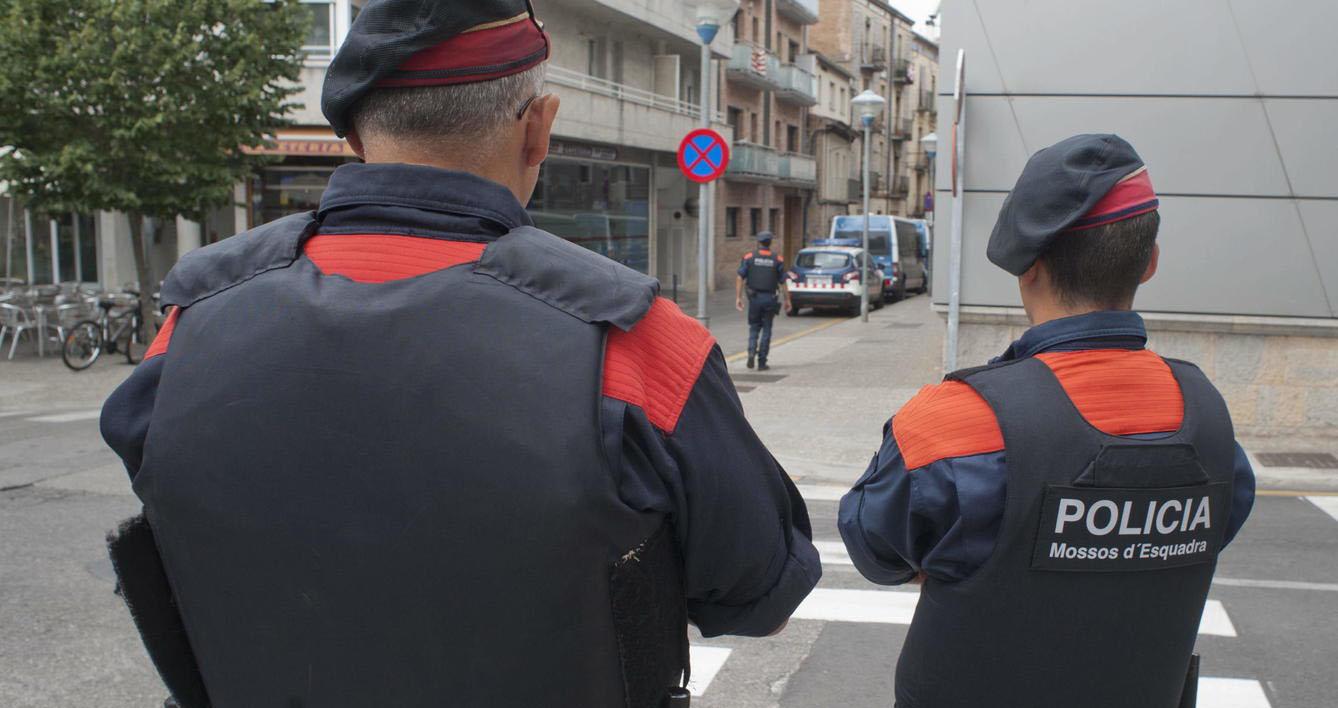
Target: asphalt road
[[1269, 638]]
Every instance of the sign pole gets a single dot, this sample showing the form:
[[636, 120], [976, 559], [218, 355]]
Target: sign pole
[[958, 196], [704, 191]]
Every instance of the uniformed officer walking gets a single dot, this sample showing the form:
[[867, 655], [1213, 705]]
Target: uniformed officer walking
[[762, 274], [1065, 505], [409, 450]]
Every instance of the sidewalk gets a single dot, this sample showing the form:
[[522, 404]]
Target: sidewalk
[[730, 326], [822, 406]]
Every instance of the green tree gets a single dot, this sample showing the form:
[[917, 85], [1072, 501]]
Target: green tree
[[142, 106]]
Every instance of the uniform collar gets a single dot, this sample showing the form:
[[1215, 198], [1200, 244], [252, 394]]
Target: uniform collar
[[426, 188], [1108, 329]]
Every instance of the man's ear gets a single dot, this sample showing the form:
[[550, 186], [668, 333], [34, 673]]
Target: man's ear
[[1034, 273], [355, 142], [539, 128], [1152, 265]]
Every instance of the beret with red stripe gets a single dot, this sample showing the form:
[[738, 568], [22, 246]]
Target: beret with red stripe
[[412, 43], [1079, 183]]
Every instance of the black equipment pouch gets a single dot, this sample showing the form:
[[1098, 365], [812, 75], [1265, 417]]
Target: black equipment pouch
[[650, 618], [1190, 697], [142, 584]]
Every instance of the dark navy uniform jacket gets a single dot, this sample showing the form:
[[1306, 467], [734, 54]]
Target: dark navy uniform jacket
[[933, 497], [746, 265], [673, 428]]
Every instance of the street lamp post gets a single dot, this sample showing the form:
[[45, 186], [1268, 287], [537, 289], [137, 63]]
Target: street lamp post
[[867, 105], [711, 15]]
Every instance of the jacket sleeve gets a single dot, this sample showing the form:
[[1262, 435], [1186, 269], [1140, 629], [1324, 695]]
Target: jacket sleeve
[[126, 413], [941, 519], [741, 524], [1242, 489]]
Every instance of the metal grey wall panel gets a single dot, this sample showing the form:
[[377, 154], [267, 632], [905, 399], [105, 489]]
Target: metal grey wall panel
[[1130, 47], [997, 152], [1321, 225], [1191, 145], [966, 32], [1234, 256], [1307, 135], [1219, 256], [1292, 45]]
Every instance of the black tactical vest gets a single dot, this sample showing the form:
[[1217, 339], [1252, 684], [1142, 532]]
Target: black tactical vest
[[395, 494], [762, 276], [1093, 595]]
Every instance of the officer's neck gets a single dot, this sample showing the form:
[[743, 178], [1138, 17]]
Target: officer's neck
[[490, 165]]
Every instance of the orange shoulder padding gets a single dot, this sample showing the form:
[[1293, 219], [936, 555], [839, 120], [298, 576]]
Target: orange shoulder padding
[[1119, 391], [943, 421], [380, 258], [656, 364], [160, 342]]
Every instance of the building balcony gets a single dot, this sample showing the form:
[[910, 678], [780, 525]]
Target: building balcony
[[901, 129], [900, 187], [798, 169], [854, 190], [926, 103], [902, 72], [805, 12], [921, 163], [602, 111], [749, 162], [754, 66], [798, 82], [873, 58]]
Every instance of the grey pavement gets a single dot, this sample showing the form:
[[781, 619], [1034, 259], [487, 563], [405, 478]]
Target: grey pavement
[[821, 409]]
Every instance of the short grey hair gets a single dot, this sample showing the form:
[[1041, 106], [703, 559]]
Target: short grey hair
[[447, 114]]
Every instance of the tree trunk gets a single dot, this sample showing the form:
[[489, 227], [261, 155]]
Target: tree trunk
[[144, 273]]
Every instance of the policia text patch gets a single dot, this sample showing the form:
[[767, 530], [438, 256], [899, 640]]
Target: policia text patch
[[1124, 529]]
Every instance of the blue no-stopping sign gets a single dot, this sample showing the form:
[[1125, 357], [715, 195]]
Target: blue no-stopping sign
[[703, 155]]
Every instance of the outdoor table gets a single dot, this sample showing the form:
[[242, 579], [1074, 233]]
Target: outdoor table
[[39, 312]]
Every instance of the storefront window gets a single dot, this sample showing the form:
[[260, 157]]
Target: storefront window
[[289, 188], [78, 254], [602, 206]]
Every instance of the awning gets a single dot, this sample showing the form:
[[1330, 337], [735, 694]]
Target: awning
[[305, 141]]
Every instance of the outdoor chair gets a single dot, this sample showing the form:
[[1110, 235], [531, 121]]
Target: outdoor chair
[[14, 321]]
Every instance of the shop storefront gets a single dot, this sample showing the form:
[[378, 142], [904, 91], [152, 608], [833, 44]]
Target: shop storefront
[[295, 183], [600, 198], [41, 249]]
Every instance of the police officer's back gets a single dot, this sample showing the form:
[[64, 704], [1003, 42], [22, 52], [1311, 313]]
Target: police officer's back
[[408, 450], [1065, 505], [762, 275]]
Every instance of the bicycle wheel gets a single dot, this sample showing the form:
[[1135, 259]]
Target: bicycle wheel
[[82, 346], [135, 341]]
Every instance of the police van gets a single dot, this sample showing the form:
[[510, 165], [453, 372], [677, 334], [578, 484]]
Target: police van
[[832, 277], [898, 246]]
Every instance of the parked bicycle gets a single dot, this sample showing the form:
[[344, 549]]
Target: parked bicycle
[[113, 333]]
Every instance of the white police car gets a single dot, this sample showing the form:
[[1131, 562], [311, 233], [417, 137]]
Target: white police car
[[832, 277]]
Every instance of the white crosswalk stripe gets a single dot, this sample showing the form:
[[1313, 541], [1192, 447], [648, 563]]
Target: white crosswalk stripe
[[67, 417], [821, 492], [1328, 505], [1231, 693], [706, 663]]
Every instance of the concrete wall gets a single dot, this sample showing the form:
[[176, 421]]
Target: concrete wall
[[1233, 105]]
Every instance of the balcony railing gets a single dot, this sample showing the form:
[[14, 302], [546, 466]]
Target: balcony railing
[[902, 73], [901, 129], [798, 82], [926, 103], [854, 190], [796, 168], [805, 12], [901, 186], [754, 66], [749, 162], [584, 82], [873, 57]]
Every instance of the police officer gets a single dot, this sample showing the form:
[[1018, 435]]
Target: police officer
[[762, 272], [361, 485], [1064, 506]]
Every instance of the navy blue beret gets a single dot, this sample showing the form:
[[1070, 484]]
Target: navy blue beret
[[1078, 183], [410, 43], [764, 237]]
